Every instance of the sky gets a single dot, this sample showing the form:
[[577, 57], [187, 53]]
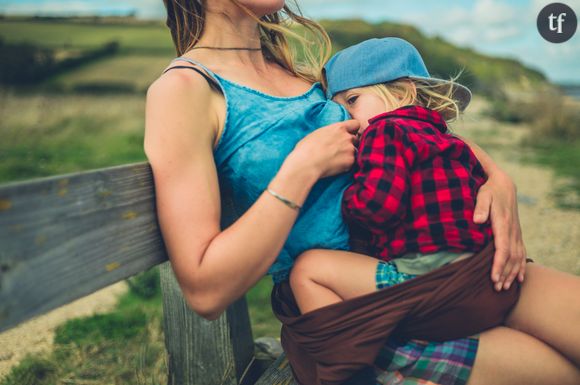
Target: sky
[[497, 27]]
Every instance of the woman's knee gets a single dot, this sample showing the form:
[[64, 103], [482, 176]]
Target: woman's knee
[[509, 357], [547, 296], [549, 309]]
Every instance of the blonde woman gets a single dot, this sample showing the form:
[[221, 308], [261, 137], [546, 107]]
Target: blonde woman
[[245, 113]]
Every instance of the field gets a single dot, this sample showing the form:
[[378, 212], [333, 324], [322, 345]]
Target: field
[[93, 116], [151, 38]]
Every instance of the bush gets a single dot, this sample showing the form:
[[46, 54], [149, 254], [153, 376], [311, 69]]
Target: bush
[[116, 326], [554, 120], [104, 87], [146, 285], [547, 111], [25, 63], [32, 370], [509, 110]]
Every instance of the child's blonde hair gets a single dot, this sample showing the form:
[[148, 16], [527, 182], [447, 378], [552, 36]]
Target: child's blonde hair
[[436, 96]]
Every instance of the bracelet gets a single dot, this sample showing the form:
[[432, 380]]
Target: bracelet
[[287, 202]]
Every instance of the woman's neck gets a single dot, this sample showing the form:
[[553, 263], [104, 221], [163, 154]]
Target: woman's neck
[[233, 29]]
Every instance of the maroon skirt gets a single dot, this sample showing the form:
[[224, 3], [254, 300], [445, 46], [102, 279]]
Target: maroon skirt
[[330, 344]]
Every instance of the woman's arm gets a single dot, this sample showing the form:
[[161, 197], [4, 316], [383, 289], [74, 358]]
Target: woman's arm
[[215, 267], [497, 199]]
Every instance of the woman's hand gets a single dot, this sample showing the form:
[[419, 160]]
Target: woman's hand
[[329, 150], [497, 200]]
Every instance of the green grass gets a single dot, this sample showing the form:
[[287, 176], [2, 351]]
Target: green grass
[[136, 71], [264, 323], [553, 138], [564, 158], [46, 134], [124, 346], [153, 39]]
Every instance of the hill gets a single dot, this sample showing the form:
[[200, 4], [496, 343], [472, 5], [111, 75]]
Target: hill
[[482, 73], [144, 47]]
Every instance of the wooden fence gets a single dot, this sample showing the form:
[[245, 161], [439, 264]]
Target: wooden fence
[[64, 237]]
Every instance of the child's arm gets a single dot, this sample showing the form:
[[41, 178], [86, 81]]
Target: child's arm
[[322, 277], [377, 198]]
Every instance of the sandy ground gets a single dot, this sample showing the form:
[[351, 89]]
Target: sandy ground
[[36, 335], [551, 235]]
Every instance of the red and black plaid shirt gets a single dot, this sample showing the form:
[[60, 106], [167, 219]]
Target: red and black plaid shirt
[[414, 186]]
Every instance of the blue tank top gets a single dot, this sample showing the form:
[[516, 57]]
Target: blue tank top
[[260, 130]]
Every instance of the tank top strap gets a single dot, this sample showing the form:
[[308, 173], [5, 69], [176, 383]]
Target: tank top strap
[[213, 78], [196, 63]]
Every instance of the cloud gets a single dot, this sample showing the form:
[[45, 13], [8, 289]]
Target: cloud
[[487, 21]]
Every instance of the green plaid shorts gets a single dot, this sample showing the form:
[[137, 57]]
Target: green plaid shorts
[[388, 275], [418, 362]]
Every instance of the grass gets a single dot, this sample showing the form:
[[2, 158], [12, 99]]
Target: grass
[[46, 134], [564, 158], [554, 137], [264, 323], [121, 69], [152, 38], [124, 346]]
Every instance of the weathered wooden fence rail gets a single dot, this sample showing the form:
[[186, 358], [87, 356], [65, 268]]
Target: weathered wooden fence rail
[[64, 237]]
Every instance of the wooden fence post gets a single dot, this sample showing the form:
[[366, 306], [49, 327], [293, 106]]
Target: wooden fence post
[[202, 352]]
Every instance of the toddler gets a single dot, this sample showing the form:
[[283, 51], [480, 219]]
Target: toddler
[[414, 182]]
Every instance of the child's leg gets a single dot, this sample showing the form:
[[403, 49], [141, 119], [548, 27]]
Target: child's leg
[[322, 277], [549, 309]]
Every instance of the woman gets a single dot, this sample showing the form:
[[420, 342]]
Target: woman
[[242, 77]]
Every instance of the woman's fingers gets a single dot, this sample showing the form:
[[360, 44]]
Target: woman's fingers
[[483, 210], [518, 250], [497, 201], [522, 269], [501, 260], [351, 126], [513, 272], [522, 253], [482, 205]]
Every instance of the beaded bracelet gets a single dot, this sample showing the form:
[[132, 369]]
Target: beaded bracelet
[[287, 202]]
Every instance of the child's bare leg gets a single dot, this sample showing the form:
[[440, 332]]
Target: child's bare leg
[[322, 277], [549, 309]]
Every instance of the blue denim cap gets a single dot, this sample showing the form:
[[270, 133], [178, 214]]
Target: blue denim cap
[[383, 60]]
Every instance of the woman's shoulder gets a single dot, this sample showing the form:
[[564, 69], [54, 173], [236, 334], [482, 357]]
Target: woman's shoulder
[[177, 82], [180, 103]]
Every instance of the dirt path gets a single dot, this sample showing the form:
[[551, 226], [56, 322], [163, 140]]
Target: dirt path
[[36, 335], [552, 235]]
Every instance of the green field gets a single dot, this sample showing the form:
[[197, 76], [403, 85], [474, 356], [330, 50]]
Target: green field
[[150, 38], [134, 71], [44, 134], [93, 115]]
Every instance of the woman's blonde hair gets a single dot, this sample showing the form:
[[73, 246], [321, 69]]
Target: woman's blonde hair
[[186, 21], [436, 96]]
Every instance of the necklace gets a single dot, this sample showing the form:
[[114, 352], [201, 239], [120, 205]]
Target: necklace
[[229, 48]]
